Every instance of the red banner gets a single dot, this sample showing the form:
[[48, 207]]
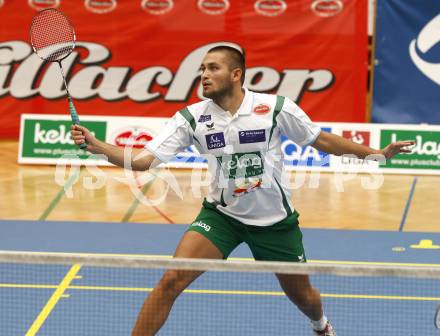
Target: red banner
[[142, 57]]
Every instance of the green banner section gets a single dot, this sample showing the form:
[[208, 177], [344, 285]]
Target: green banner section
[[426, 152], [50, 139]]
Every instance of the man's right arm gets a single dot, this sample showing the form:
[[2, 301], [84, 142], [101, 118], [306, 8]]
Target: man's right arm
[[137, 159]]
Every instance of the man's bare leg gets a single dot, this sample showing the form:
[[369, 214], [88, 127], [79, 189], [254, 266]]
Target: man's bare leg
[[299, 290], [157, 306]]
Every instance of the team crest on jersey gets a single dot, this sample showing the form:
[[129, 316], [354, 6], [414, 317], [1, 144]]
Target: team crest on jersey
[[204, 118], [215, 140], [261, 109]]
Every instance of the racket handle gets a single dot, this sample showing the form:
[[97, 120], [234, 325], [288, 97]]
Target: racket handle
[[75, 119]]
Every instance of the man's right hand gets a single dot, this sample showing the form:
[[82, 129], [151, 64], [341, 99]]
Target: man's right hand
[[139, 159], [80, 135]]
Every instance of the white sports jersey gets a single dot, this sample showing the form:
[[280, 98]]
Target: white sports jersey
[[243, 152]]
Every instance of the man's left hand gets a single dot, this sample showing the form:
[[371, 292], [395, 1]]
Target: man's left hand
[[397, 148]]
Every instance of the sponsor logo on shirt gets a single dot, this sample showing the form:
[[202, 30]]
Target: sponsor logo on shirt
[[204, 118], [241, 165], [247, 186], [215, 140], [210, 126], [252, 136], [204, 226], [261, 109]]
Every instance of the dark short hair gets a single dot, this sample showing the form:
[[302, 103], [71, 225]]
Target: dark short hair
[[236, 58]]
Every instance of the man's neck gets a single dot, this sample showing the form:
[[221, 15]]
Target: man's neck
[[231, 102]]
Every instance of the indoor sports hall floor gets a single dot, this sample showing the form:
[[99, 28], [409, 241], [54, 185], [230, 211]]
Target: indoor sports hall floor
[[396, 224]]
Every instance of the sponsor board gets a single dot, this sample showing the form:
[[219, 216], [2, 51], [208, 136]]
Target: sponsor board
[[49, 139], [407, 37], [131, 136], [296, 156], [45, 138], [107, 76], [360, 135], [425, 153]]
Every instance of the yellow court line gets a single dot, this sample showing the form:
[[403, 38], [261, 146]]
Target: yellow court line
[[5, 285], [229, 292], [339, 262], [50, 305], [382, 297], [270, 293]]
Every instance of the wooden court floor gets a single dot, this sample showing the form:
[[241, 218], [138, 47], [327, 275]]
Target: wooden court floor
[[38, 192]]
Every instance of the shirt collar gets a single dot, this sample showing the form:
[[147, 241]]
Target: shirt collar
[[246, 105]]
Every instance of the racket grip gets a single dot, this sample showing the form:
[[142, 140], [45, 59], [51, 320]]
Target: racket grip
[[75, 119]]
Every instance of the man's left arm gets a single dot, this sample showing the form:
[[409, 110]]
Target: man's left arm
[[337, 145]]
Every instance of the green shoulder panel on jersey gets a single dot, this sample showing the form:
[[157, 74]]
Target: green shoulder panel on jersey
[[188, 116], [278, 106]]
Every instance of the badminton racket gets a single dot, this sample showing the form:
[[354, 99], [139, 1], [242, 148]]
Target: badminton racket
[[53, 39]]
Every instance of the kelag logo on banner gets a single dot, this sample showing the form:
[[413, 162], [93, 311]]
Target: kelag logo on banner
[[44, 138], [426, 152], [407, 70]]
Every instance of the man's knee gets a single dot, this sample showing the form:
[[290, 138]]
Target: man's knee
[[173, 282], [305, 297]]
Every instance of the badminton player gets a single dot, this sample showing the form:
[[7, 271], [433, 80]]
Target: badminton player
[[242, 130]]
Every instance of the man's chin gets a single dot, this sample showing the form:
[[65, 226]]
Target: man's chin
[[208, 94]]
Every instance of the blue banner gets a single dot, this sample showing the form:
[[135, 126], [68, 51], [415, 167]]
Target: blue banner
[[407, 65]]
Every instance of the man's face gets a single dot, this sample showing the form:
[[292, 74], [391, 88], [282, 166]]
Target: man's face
[[217, 79]]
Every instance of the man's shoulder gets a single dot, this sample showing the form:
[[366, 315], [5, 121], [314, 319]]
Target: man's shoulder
[[263, 102], [200, 107]]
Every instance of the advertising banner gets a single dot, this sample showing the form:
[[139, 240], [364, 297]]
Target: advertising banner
[[142, 57], [426, 152], [45, 139], [407, 66]]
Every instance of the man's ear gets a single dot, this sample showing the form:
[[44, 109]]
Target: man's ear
[[236, 74]]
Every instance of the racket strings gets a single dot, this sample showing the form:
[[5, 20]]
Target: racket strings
[[52, 35]]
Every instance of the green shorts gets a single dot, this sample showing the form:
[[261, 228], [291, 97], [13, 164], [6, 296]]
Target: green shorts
[[281, 241]]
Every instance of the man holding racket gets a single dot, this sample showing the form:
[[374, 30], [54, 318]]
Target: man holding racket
[[241, 129]]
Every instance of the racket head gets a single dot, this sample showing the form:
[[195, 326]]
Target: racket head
[[52, 35], [437, 318]]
